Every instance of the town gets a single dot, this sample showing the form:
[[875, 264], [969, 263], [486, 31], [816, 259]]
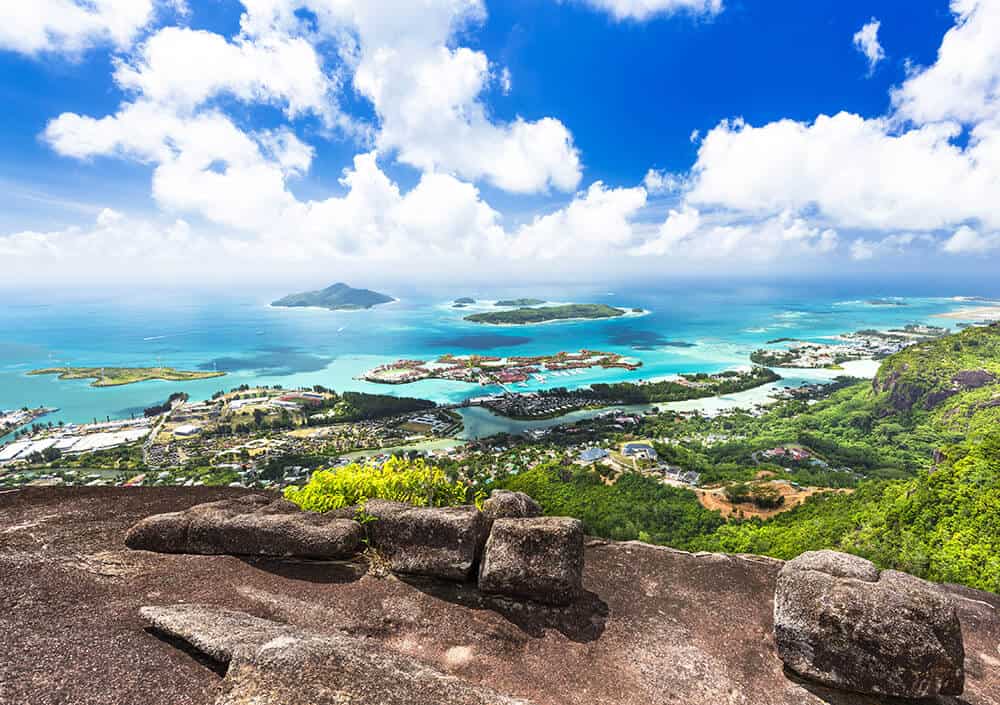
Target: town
[[860, 345], [488, 370]]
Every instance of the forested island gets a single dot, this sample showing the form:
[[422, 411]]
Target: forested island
[[338, 297], [543, 314], [117, 376]]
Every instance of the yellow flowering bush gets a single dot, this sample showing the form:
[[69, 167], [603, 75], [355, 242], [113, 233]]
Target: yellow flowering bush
[[411, 481]]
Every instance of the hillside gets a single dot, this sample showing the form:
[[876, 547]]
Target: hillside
[[933, 411], [338, 297], [926, 375]]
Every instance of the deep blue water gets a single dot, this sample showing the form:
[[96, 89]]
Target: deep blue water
[[688, 328]]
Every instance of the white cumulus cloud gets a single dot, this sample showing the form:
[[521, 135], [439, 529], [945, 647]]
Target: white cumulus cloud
[[645, 9], [866, 41], [36, 26], [967, 240]]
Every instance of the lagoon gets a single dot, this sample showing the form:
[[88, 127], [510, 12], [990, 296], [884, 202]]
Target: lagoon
[[706, 330]]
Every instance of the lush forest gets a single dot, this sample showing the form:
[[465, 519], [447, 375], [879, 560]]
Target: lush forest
[[695, 386], [634, 507], [942, 525], [359, 406]]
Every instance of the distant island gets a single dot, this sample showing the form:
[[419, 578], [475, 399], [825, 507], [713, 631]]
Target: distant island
[[118, 376], [523, 316], [519, 302], [339, 297], [465, 300]]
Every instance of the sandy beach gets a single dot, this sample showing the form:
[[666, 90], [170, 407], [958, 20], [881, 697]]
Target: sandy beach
[[981, 313]]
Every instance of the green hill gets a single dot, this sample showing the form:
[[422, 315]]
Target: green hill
[[933, 411], [338, 297]]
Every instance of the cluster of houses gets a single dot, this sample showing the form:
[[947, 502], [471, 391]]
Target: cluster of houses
[[528, 404], [643, 451]]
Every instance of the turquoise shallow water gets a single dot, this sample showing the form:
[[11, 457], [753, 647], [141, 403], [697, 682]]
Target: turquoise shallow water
[[686, 330]]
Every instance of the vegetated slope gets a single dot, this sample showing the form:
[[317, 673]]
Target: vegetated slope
[[923, 376], [634, 507], [936, 405], [338, 297]]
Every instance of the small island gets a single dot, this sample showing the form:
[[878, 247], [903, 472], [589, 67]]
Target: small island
[[464, 300], [338, 297], [118, 376], [543, 314], [510, 303]]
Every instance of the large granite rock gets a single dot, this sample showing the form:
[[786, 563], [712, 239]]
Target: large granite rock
[[441, 542], [537, 558], [249, 526], [505, 504], [269, 662], [839, 621]]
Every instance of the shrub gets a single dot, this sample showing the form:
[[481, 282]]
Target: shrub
[[413, 482]]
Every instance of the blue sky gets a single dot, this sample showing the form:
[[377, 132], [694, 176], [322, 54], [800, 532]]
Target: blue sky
[[523, 136]]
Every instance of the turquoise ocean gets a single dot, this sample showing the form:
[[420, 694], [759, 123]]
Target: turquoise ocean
[[686, 328]]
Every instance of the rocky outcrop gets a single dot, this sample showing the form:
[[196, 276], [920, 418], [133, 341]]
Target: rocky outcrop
[[269, 662], [905, 391], [505, 504], [841, 622], [441, 542], [250, 526], [655, 626], [539, 559]]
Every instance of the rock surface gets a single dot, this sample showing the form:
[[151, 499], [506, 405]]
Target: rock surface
[[254, 525], [653, 627], [839, 621], [272, 663], [505, 504], [539, 558], [443, 542]]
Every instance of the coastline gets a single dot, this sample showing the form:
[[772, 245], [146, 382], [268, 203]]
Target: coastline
[[980, 314]]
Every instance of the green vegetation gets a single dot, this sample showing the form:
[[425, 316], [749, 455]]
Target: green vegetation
[[634, 507], [923, 376], [942, 525], [338, 297], [359, 406], [522, 316], [410, 481], [696, 386], [518, 302], [761, 495], [125, 457], [117, 376]]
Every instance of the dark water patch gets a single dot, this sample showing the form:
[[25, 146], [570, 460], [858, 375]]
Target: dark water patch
[[481, 341], [21, 352], [638, 339], [130, 412], [270, 362]]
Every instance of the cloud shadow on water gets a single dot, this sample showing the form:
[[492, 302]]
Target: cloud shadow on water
[[639, 339], [479, 341], [270, 362]]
